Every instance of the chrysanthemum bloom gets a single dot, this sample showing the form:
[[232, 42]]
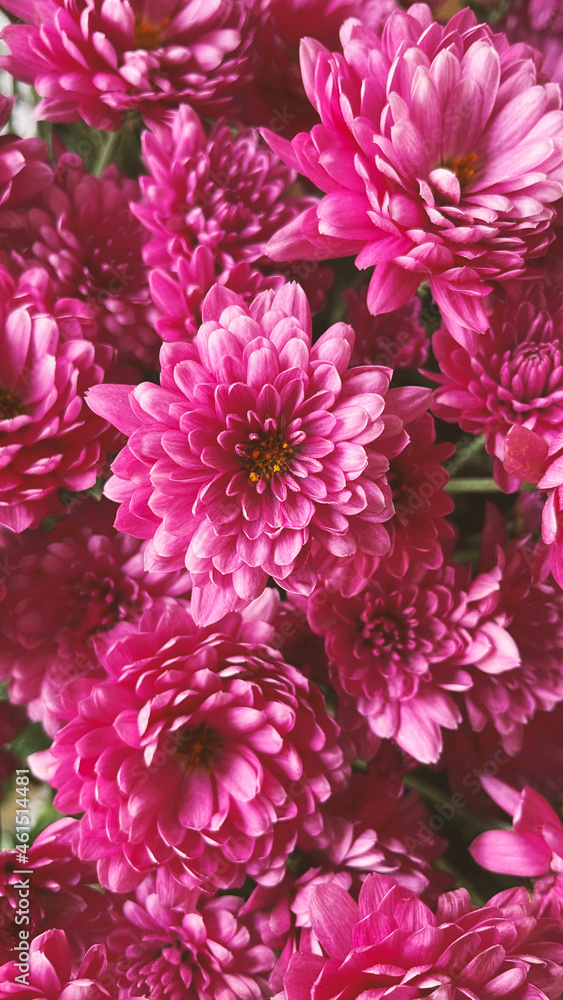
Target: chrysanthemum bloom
[[24, 173], [211, 203], [281, 914], [202, 751], [84, 234], [511, 374], [63, 895], [366, 828], [526, 615], [179, 295], [398, 647], [417, 477], [255, 445], [534, 847], [183, 944], [528, 457], [223, 191], [390, 943], [51, 975], [538, 23], [275, 95], [64, 587], [96, 61], [441, 155], [397, 339], [48, 436]]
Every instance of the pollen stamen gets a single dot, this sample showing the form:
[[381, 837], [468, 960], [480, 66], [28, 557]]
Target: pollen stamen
[[10, 404], [268, 456], [197, 746], [464, 168], [148, 36]]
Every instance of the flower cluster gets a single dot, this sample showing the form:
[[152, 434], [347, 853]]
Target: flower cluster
[[49, 437], [97, 61], [261, 445], [390, 940], [242, 739], [83, 579], [435, 165]]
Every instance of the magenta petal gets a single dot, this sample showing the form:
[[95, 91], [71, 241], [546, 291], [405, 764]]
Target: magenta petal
[[512, 853], [196, 804], [390, 288], [301, 239], [506, 797], [301, 975], [525, 454], [112, 403], [553, 476], [333, 915]]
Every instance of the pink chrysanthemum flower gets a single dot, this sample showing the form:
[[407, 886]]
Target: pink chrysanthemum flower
[[62, 893], [49, 438], [538, 23], [275, 95], [398, 647], [93, 60], [64, 588], [365, 828], [403, 648], [397, 340], [528, 456], [202, 752], [417, 477], [179, 295], [85, 236], [441, 152], [390, 943], [182, 944], [223, 191], [255, 445], [534, 847], [51, 974], [418, 527], [511, 374], [529, 676], [24, 173]]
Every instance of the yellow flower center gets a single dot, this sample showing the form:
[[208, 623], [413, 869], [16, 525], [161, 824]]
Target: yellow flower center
[[197, 746], [148, 36], [267, 456], [10, 404], [464, 168]]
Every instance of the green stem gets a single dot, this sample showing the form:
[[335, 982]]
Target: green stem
[[107, 152], [465, 451], [461, 485], [437, 797]]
